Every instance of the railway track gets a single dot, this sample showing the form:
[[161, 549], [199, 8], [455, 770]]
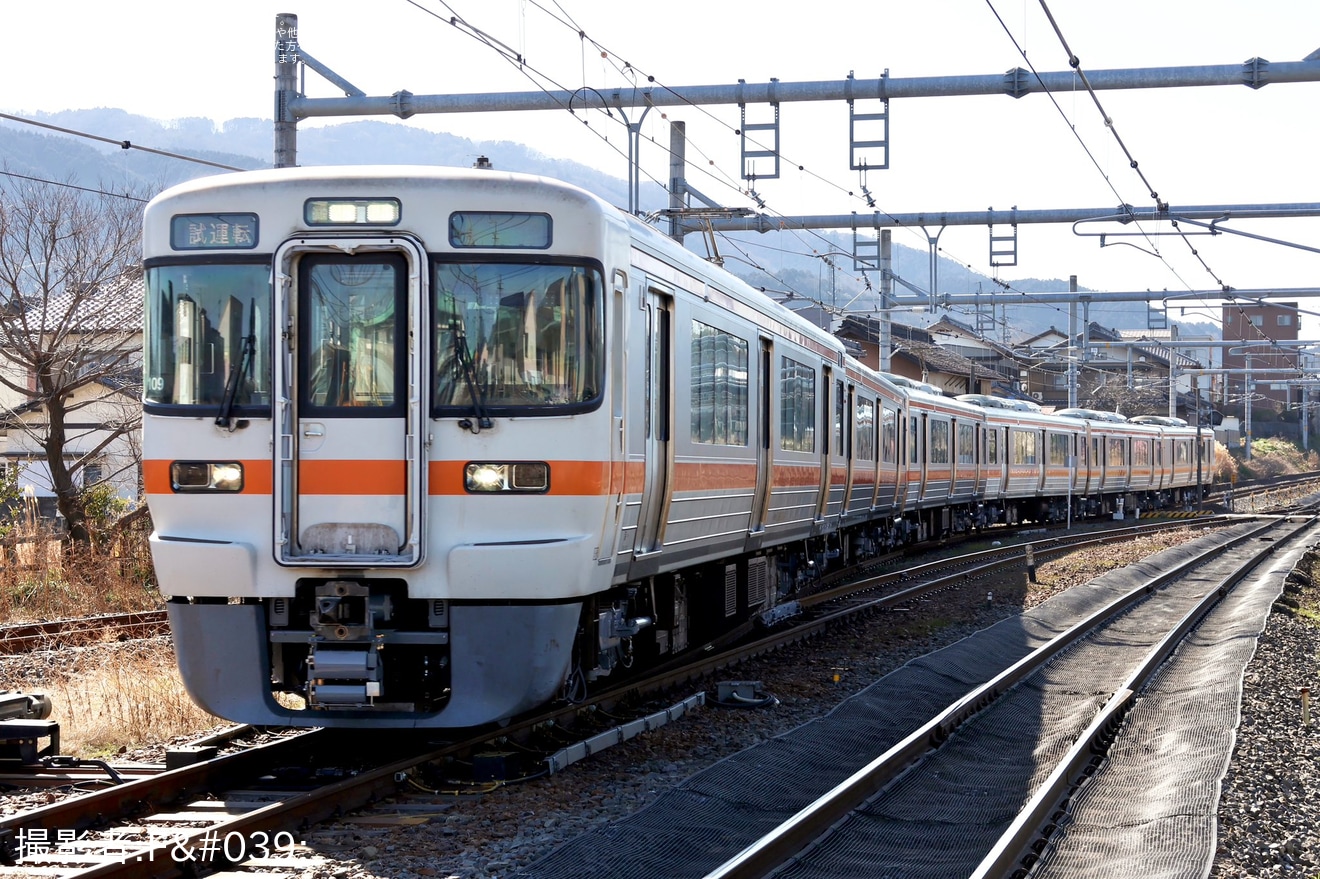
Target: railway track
[[965, 762], [226, 799], [75, 632]]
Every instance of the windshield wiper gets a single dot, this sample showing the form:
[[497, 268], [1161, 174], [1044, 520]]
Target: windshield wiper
[[464, 356], [239, 372]]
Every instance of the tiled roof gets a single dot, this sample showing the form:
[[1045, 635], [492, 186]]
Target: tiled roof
[[957, 327], [114, 306], [938, 359]]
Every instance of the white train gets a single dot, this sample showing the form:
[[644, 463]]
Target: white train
[[431, 447]]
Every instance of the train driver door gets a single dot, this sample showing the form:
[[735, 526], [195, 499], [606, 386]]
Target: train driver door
[[348, 482]]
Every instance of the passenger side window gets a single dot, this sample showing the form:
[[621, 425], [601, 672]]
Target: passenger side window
[[719, 386], [797, 406]]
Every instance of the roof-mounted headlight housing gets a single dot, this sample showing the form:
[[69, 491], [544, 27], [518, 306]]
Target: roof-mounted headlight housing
[[352, 211]]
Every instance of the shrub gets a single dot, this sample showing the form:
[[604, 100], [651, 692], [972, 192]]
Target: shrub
[[1271, 456]]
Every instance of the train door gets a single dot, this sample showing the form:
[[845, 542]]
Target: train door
[[1098, 461], [978, 460], [826, 442], [923, 456], [658, 414], [836, 460], [913, 466], [1163, 462], [1082, 484], [350, 480], [850, 426], [764, 461], [901, 461], [1043, 459], [889, 472], [1076, 479]]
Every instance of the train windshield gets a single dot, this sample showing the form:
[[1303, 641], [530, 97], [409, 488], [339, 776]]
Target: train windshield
[[203, 323], [516, 336]]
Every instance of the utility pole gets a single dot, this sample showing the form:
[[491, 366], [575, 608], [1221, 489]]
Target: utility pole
[[286, 86], [1074, 334], [886, 296], [677, 182]]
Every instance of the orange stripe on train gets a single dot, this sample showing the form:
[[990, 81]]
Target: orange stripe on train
[[361, 477]]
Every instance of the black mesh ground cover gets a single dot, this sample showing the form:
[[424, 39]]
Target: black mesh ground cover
[[714, 814], [1150, 809]]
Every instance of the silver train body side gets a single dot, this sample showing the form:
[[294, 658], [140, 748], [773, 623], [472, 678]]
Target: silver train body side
[[431, 447]]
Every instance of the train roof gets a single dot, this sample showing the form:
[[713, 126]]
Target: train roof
[[986, 401], [1163, 420], [404, 174], [1091, 415], [912, 384]]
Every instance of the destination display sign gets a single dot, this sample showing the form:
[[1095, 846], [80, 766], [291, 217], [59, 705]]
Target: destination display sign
[[213, 231]]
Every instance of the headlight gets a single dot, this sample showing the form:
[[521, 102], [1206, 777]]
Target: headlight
[[206, 476], [530, 476], [351, 211]]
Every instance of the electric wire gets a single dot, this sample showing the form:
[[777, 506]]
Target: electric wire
[[627, 70], [1161, 205], [122, 144], [1076, 134], [73, 186], [520, 62]]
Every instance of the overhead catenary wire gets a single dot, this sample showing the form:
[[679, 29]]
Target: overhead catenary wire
[[526, 69], [608, 53], [122, 144], [1163, 205], [86, 189], [627, 69]]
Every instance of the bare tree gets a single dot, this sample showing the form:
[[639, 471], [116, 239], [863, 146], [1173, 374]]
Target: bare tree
[[70, 330], [1118, 397]]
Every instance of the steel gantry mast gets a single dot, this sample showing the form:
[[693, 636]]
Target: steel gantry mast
[[292, 105]]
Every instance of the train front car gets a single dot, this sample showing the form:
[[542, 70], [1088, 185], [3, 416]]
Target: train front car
[[375, 449]]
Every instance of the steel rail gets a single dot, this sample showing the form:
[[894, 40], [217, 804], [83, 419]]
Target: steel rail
[[983, 561], [79, 813], [22, 637]]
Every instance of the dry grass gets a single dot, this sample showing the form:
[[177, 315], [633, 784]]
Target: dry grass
[[107, 698], [115, 697], [42, 579], [1225, 466]]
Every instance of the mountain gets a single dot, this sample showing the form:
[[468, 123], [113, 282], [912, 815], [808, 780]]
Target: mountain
[[798, 277]]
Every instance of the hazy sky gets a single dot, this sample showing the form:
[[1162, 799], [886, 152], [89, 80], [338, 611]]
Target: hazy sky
[[1221, 145]]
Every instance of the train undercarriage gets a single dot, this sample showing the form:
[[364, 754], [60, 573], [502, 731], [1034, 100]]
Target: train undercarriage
[[361, 644], [643, 623]]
